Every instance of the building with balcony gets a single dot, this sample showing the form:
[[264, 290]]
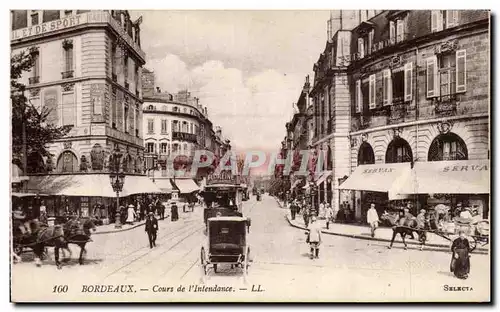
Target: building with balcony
[[404, 87], [86, 72], [175, 126]]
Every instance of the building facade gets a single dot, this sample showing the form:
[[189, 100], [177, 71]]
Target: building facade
[[400, 86], [176, 126], [87, 74]]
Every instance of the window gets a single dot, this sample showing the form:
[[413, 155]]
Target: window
[[35, 78], [359, 97], [451, 18], [113, 109], [113, 60], [164, 148], [175, 126], [68, 109], [125, 68], [164, 126], [387, 86], [365, 94], [175, 148], [361, 48], [450, 77], [151, 126], [176, 109], [447, 65], [150, 147], [371, 34], [191, 128], [184, 126], [185, 149], [408, 82], [447, 146], [126, 117], [68, 12], [35, 19], [67, 162], [68, 59], [136, 79], [436, 20], [398, 151], [371, 92], [392, 32], [400, 35]]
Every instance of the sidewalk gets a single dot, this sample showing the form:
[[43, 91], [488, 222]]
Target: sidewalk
[[382, 234], [110, 228]]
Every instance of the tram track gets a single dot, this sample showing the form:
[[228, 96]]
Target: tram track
[[177, 233]]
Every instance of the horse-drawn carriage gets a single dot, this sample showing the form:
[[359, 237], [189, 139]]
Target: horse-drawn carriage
[[227, 244]]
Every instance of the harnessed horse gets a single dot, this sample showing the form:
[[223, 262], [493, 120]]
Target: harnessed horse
[[404, 226], [78, 232]]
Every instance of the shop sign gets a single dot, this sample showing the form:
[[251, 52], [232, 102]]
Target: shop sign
[[49, 27], [466, 168], [378, 170], [224, 177]]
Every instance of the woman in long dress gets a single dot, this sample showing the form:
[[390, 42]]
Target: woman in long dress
[[460, 262], [130, 214]]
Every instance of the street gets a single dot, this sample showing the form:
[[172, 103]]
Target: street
[[348, 269]]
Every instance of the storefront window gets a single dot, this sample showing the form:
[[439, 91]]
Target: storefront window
[[447, 147], [398, 151]]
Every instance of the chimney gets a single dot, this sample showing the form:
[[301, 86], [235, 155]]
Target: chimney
[[158, 90]]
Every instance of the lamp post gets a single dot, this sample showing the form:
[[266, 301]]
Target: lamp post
[[117, 179]]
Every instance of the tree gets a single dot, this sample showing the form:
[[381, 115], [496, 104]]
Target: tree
[[39, 133]]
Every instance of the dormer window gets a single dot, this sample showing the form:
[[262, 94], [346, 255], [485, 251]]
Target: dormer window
[[443, 19]]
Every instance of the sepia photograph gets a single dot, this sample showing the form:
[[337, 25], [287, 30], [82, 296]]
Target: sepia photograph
[[183, 156]]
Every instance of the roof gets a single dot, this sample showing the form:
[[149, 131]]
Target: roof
[[236, 219]]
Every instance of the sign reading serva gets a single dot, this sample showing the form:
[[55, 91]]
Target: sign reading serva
[[223, 177]]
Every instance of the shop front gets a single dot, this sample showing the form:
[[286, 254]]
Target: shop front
[[465, 182], [374, 183]]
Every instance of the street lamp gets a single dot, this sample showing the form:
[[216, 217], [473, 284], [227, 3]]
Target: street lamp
[[117, 179]]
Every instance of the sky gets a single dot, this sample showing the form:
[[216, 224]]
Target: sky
[[247, 67]]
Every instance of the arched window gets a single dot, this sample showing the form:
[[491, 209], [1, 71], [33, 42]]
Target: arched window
[[447, 146], [176, 109], [67, 162], [398, 151], [150, 107], [366, 156]]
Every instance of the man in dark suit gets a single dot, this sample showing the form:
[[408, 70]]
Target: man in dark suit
[[151, 228]]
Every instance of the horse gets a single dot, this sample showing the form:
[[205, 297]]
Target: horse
[[47, 236], [404, 226], [78, 232]]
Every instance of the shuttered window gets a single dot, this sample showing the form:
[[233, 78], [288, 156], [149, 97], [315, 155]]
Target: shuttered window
[[387, 87], [400, 30], [461, 71], [408, 81], [361, 47], [164, 126], [432, 75], [392, 31], [372, 92], [359, 99], [451, 18], [436, 20], [68, 109], [151, 126]]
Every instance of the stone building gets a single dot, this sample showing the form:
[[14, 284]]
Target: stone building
[[402, 87], [87, 70]]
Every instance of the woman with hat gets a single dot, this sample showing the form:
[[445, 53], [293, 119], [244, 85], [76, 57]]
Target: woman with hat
[[130, 214], [460, 262]]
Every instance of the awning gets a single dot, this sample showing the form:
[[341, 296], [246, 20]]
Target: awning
[[139, 185], [73, 185], [164, 184], [17, 174], [97, 185], [186, 186], [378, 178], [324, 175], [448, 177], [21, 195]]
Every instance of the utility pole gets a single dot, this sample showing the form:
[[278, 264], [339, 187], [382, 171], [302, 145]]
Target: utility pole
[[25, 156]]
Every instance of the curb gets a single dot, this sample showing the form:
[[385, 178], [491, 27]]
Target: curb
[[122, 230], [355, 236]]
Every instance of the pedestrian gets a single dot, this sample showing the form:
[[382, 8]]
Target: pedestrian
[[460, 259], [151, 228], [321, 212], [421, 219], [328, 215], [130, 215], [372, 219], [174, 212], [314, 237], [293, 209]]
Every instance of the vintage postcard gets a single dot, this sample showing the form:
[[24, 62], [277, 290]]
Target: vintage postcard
[[250, 156]]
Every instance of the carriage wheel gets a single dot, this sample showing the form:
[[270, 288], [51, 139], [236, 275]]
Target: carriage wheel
[[203, 260], [247, 261]]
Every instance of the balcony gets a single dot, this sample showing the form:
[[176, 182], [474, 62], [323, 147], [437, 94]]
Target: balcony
[[34, 80], [184, 136], [67, 74]]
